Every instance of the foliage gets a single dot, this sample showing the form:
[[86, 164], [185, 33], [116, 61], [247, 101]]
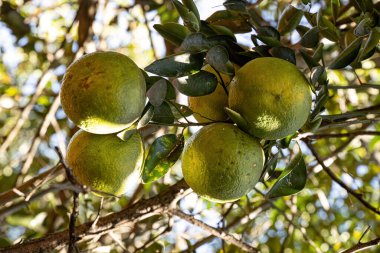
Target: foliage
[[334, 43]]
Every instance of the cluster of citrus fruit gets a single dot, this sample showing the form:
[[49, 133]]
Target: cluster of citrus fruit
[[104, 93]]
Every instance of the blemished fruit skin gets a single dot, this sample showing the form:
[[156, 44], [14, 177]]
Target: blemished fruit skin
[[103, 92], [272, 95], [221, 163], [211, 107], [104, 162]]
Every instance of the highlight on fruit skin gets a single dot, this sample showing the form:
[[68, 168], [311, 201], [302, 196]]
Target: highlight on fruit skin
[[221, 163], [272, 95], [104, 162], [103, 92]]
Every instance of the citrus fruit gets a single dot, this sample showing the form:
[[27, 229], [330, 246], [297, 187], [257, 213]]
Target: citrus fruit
[[222, 163], [211, 107], [104, 162], [272, 95], [103, 92]]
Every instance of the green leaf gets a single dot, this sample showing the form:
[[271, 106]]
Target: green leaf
[[311, 63], [347, 56], [163, 114], [327, 29], [311, 38], [268, 31], [364, 27], [364, 5], [238, 119], [267, 40], [335, 7], [199, 84], [222, 30], [263, 51], [289, 20], [302, 30], [172, 32], [192, 7], [371, 43], [190, 19], [157, 93], [292, 179], [284, 53], [195, 43], [217, 57], [147, 115], [311, 18], [318, 76], [269, 167], [318, 53], [163, 153], [4, 242], [312, 124], [170, 91], [127, 133], [176, 65], [180, 111], [233, 20], [235, 5]]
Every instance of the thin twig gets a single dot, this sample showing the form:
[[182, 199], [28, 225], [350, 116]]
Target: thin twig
[[73, 217], [4, 212], [290, 220], [38, 137], [146, 22], [357, 195], [182, 124], [31, 184], [356, 87], [220, 234], [362, 246], [310, 136], [153, 239], [69, 174], [27, 110], [237, 220], [131, 215], [364, 233]]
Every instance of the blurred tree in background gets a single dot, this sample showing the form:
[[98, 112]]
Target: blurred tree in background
[[334, 43]]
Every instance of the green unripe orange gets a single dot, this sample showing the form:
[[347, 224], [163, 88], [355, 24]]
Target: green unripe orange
[[272, 95], [103, 92], [104, 162], [221, 163]]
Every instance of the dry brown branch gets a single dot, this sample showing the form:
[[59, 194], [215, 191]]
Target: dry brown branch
[[357, 195], [25, 113], [265, 205], [340, 135], [38, 138], [32, 184], [362, 246], [215, 232], [131, 215], [4, 212]]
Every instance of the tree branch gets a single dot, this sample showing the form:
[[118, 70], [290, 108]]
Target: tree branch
[[338, 135], [32, 184], [362, 246], [356, 87], [264, 206], [357, 195], [215, 232], [136, 212]]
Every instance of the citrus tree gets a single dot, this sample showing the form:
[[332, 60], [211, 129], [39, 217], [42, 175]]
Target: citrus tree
[[176, 126]]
